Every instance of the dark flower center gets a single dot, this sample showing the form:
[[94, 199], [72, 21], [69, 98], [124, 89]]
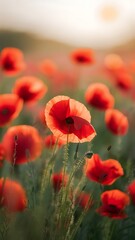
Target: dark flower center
[[69, 120], [8, 64], [5, 111], [81, 58], [103, 176], [113, 209]]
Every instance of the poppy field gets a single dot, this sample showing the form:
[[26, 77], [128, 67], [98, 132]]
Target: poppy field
[[67, 145]]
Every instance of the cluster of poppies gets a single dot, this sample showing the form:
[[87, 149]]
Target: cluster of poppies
[[104, 172], [99, 96], [69, 122], [121, 74]]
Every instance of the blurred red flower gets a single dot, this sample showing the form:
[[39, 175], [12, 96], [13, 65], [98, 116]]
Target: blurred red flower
[[131, 190], [48, 67], [124, 80], [70, 119], [12, 195], [29, 88], [22, 144], [50, 141], [12, 61], [114, 203], [83, 56], [116, 122], [59, 180], [84, 200], [118, 71], [10, 107], [99, 96], [105, 172]]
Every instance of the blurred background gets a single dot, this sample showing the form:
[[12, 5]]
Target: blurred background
[[105, 25], [52, 29]]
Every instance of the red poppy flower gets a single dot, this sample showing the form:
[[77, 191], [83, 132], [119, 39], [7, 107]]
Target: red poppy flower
[[30, 88], [105, 172], [116, 122], [48, 67], [116, 67], [83, 56], [11, 61], [2, 154], [10, 107], [98, 95], [114, 203], [12, 195], [69, 118], [59, 180], [131, 190], [124, 80], [22, 144], [84, 200], [51, 140]]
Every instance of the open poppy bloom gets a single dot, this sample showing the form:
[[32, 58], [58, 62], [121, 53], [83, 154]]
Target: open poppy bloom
[[69, 120], [114, 203], [50, 141], [48, 67], [84, 200], [59, 180], [29, 88], [10, 107], [116, 122], [2, 154], [12, 195], [131, 190], [105, 172], [11, 61], [22, 144], [99, 96], [83, 56]]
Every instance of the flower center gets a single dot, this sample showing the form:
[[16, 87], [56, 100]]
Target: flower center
[[113, 208], [81, 58], [8, 64], [69, 120], [5, 111], [103, 176]]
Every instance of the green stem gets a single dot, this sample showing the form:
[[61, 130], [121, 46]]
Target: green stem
[[47, 171]]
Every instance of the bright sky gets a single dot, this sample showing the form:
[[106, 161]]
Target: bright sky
[[88, 23]]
